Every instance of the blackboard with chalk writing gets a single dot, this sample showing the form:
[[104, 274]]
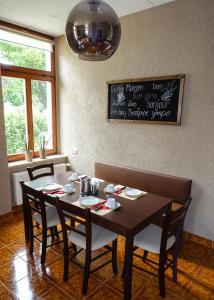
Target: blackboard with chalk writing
[[150, 100]]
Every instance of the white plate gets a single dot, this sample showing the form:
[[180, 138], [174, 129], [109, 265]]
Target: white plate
[[132, 192], [51, 187], [118, 205], [89, 201]]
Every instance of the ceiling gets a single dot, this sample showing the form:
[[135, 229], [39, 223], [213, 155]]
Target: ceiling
[[49, 16]]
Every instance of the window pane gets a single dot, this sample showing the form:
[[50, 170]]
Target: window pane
[[42, 113], [23, 56], [14, 111]]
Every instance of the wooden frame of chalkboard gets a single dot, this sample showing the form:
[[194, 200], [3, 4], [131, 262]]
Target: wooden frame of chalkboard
[[153, 100]]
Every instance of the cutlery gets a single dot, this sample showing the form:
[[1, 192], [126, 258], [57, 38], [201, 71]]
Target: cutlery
[[99, 205], [118, 191]]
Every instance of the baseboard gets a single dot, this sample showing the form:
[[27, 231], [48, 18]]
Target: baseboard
[[8, 216], [190, 236], [199, 239]]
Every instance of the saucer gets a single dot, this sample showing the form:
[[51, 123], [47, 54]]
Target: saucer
[[118, 205], [70, 192]]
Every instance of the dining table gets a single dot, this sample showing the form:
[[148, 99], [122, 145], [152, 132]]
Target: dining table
[[127, 221]]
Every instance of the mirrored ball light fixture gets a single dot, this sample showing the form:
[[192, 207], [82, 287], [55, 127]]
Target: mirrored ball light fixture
[[93, 30]]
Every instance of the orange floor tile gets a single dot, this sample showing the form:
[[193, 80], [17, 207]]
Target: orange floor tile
[[23, 278]]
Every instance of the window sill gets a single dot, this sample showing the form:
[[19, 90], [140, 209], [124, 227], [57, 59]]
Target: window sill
[[21, 165]]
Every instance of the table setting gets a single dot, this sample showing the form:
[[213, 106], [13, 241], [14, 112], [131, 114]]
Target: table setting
[[89, 190], [55, 189], [97, 205], [123, 191]]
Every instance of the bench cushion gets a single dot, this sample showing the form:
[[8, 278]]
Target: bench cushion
[[177, 188]]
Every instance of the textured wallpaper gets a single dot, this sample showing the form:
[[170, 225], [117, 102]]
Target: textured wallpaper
[[176, 38]]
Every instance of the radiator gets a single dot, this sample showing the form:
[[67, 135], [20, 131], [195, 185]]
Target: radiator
[[23, 176]]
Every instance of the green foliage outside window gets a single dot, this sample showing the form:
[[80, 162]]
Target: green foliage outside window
[[22, 56], [14, 95]]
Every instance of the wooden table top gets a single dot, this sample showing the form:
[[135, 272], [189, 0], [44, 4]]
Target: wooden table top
[[131, 217]]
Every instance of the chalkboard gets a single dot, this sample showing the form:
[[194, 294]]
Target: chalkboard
[[155, 100]]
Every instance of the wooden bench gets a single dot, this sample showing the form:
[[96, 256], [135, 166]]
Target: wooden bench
[[177, 188]]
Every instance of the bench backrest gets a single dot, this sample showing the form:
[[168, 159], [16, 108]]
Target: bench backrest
[[177, 188]]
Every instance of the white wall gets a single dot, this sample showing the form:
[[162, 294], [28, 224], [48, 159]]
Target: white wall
[[5, 196], [171, 39]]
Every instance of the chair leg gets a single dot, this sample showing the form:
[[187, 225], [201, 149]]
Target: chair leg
[[161, 277], [123, 272], [145, 254], [175, 255], [86, 271], [31, 238], [114, 256], [56, 232], [44, 245], [52, 232], [74, 247], [66, 264]]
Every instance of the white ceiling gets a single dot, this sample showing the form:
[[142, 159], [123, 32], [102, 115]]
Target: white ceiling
[[49, 16]]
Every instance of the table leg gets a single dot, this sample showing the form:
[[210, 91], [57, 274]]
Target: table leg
[[128, 267]]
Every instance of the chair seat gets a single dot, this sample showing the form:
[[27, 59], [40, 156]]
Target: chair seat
[[100, 237], [149, 239], [51, 216]]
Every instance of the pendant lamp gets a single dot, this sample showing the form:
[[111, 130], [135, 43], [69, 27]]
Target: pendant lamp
[[93, 30]]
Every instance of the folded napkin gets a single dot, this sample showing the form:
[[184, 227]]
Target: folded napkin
[[57, 192], [98, 205], [120, 190]]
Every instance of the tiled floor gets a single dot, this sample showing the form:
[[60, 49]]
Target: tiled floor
[[22, 277]]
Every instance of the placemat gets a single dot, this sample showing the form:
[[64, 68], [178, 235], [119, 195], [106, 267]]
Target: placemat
[[59, 193], [101, 212], [122, 194]]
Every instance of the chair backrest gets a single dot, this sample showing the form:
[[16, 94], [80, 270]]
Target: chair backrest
[[173, 224], [40, 171], [177, 188], [34, 202], [74, 214]]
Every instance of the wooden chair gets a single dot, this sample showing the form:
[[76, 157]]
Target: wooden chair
[[161, 241], [47, 216], [87, 236], [34, 173]]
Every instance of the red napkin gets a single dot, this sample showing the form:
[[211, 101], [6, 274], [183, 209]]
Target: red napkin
[[119, 190], [58, 192], [105, 207], [98, 204]]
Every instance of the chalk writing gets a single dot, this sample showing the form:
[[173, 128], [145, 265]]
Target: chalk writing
[[149, 100]]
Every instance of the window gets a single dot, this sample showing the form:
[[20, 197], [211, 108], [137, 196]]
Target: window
[[28, 86]]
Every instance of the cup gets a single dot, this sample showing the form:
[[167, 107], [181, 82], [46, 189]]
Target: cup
[[74, 176], [110, 188], [68, 188], [111, 203]]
